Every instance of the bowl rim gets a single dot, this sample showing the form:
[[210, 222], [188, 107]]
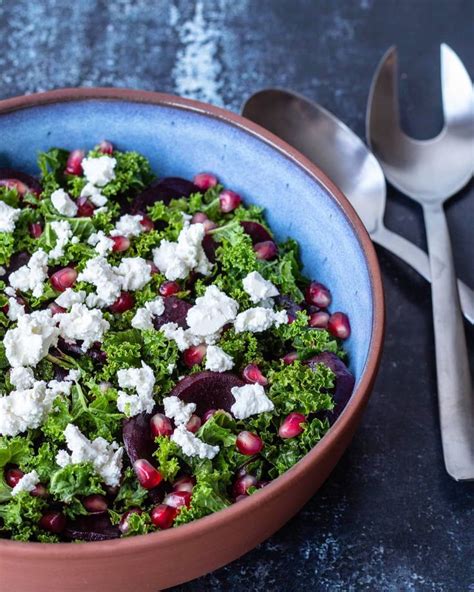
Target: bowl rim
[[199, 528]]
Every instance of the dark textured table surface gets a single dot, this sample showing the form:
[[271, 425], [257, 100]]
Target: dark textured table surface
[[388, 518]]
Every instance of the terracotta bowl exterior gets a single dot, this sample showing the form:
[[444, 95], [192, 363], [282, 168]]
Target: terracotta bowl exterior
[[183, 137]]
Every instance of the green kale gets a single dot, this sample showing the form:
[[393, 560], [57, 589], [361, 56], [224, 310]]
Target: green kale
[[20, 516], [166, 454], [16, 451]]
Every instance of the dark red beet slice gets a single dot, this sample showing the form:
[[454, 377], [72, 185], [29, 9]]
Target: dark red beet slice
[[18, 260], [163, 190], [344, 381], [209, 245], [21, 181], [96, 527], [176, 310], [288, 304], [137, 438], [209, 390], [256, 231]]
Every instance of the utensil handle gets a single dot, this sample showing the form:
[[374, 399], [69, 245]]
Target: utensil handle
[[418, 259], [456, 404]]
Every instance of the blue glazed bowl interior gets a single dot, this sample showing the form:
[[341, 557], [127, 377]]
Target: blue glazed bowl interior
[[181, 142]]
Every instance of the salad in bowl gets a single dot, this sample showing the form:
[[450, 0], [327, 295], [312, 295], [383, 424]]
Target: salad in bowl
[[163, 356]]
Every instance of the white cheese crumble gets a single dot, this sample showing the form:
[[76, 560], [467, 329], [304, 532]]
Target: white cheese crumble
[[63, 203], [182, 337], [258, 288], [143, 318], [250, 399], [211, 312], [31, 277], [128, 225], [178, 410], [69, 297], [102, 243], [102, 275], [142, 380], [8, 217], [177, 260], [192, 445], [134, 273], [94, 195], [27, 483], [22, 378], [217, 360], [99, 171], [106, 458], [259, 319], [82, 324], [30, 340], [63, 232], [15, 309], [23, 409]]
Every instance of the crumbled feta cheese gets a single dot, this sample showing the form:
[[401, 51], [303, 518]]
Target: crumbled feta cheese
[[99, 171], [94, 195], [30, 340], [128, 225], [250, 399], [143, 318], [63, 203], [134, 272], [23, 409], [177, 260], [32, 275], [183, 338], [211, 312], [98, 211], [22, 378], [192, 445], [15, 309], [102, 243], [69, 297], [106, 458], [9, 291], [259, 319], [60, 387], [142, 380], [217, 360], [8, 217], [171, 368], [3, 271], [82, 324], [73, 375], [178, 410], [258, 288], [102, 275], [62, 230], [27, 483]]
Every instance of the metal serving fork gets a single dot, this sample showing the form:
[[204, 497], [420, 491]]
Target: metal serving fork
[[430, 172]]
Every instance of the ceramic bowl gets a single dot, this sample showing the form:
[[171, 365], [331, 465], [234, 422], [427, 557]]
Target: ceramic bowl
[[181, 138]]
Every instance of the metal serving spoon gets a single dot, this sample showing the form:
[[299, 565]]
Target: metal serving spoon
[[430, 172], [344, 157]]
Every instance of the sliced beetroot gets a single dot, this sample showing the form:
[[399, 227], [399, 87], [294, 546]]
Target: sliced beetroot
[[209, 390], [209, 245], [137, 437], [162, 190], [288, 304], [95, 527], [17, 260], [344, 381], [21, 181], [175, 311], [256, 231]]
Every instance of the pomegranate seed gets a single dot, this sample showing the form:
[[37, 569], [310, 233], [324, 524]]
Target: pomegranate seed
[[124, 524], [74, 162], [177, 499], [36, 230], [209, 413], [163, 516], [319, 320], [292, 425], [55, 308], [53, 522], [193, 424], [253, 375], [266, 250], [13, 475], [85, 209], [39, 491], [199, 218], [185, 483], [243, 484], [147, 475], [205, 180], [95, 504], [169, 288], [121, 243], [289, 358], [339, 325], [194, 355], [318, 295], [229, 201], [249, 443], [124, 302], [105, 147], [147, 224], [64, 278], [160, 425]]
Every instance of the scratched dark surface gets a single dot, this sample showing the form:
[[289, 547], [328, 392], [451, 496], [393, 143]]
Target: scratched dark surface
[[388, 518]]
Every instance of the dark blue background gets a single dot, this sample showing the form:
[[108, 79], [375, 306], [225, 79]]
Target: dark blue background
[[388, 519]]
